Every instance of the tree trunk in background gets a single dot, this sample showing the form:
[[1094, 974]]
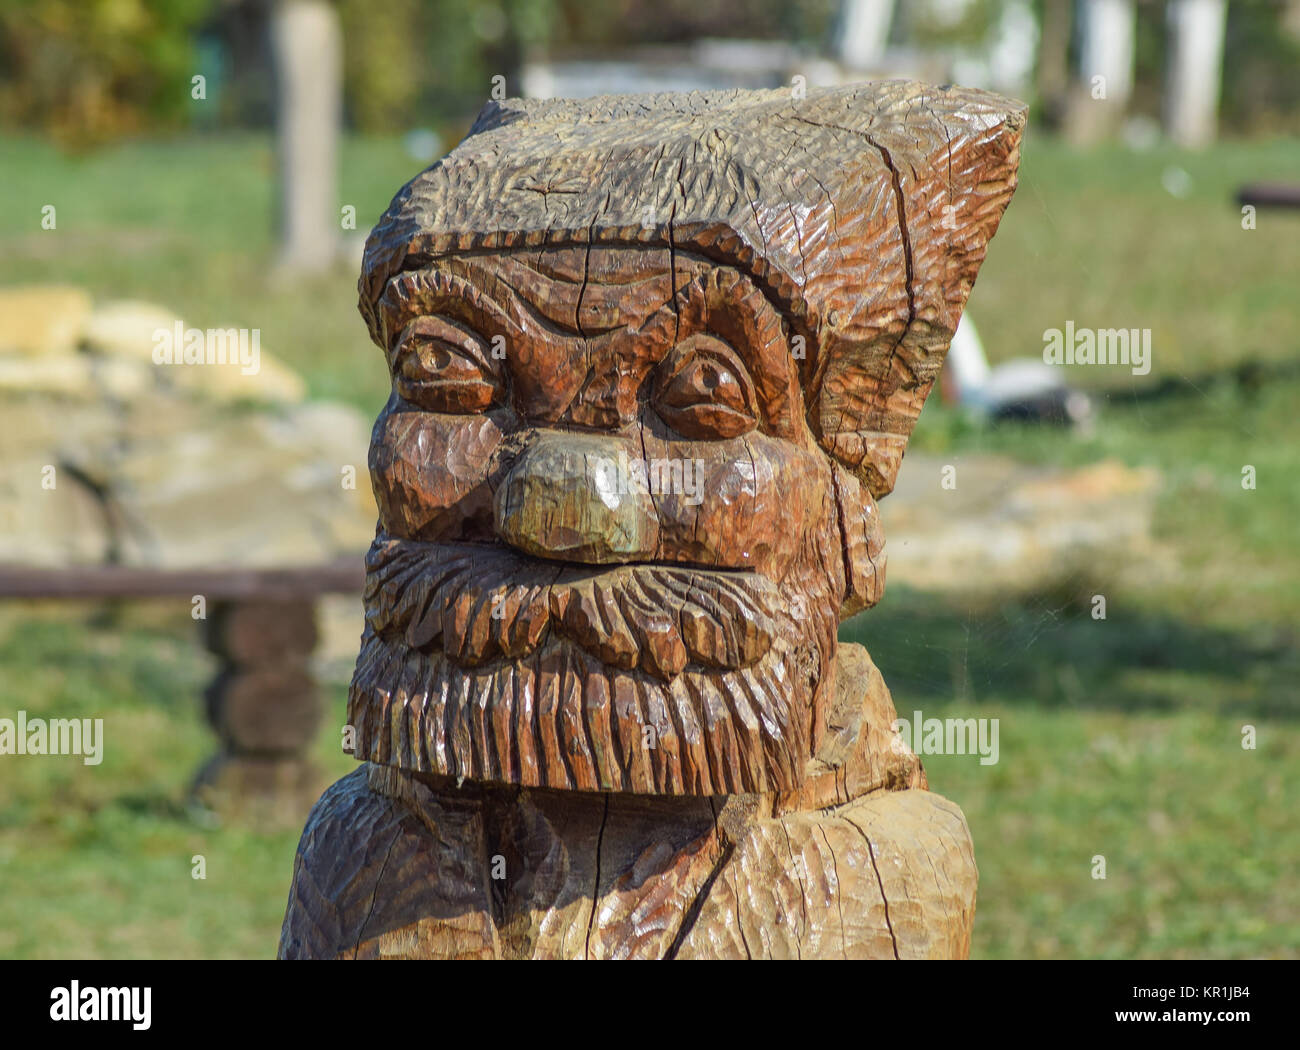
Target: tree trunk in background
[[863, 32], [307, 53], [1291, 18], [1107, 30], [1054, 58], [1196, 30], [1104, 79]]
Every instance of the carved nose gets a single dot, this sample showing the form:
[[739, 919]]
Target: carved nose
[[567, 497]]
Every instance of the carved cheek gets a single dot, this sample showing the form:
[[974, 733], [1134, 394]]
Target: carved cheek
[[430, 474], [746, 507]]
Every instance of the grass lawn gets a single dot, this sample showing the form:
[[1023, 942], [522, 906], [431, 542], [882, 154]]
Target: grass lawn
[[1119, 738]]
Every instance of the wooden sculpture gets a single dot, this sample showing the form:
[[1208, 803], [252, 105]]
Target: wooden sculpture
[[654, 359]]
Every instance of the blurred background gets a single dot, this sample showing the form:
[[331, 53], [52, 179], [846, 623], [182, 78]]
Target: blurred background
[[217, 164]]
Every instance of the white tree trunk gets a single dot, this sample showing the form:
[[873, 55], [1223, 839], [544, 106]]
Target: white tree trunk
[[1290, 20], [1106, 29], [307, 51], [864, 31], [1196, 30]]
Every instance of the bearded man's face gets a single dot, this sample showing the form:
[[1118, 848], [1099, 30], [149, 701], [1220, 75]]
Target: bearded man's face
[[609, 556]]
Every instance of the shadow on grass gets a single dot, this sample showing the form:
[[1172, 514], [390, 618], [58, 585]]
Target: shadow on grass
[[1050, 652], [157, 808]]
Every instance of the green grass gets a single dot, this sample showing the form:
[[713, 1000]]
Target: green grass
[[96, 860], [1119, 738], [1094, 237], [1198, 835]]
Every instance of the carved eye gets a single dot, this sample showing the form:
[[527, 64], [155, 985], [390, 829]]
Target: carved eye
[[704, 390], [443, 367]]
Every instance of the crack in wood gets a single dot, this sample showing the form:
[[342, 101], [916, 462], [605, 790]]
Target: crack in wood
[[595, 890], [697, 903], [839, 901], [374, 894], [871, 852]]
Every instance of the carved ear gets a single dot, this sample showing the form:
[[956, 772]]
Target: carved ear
[[863, 541], [951, 164]]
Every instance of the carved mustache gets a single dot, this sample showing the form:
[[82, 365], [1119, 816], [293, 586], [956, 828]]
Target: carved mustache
[[559, 718], [479, 602]]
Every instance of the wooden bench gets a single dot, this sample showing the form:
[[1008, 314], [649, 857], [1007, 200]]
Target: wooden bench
[[1270, 195], [263, 703]]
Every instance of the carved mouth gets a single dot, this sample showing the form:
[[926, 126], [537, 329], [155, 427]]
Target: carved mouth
[[480, 603]]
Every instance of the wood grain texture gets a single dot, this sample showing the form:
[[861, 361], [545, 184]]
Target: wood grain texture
[[865, 210], [654, 359], [886, 876], [890, 875], [396, 865]]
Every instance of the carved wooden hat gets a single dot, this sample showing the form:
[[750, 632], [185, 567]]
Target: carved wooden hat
[[863, 211]]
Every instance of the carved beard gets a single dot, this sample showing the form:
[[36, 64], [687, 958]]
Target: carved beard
[[480, 662]]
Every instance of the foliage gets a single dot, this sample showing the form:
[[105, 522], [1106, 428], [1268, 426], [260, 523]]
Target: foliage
[[92, 71], [1261, 70], [89, 71], [381, 63]]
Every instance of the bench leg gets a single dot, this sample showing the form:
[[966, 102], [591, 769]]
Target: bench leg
[[265, 708]]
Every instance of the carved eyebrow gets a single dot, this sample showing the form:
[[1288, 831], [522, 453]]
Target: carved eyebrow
[[753, 326], [507, 293], [567, 291], [554, 312], [507, 297], [418, 293], [560, 298]]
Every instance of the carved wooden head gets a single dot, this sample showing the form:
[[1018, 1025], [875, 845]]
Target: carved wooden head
[[653, 359]]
